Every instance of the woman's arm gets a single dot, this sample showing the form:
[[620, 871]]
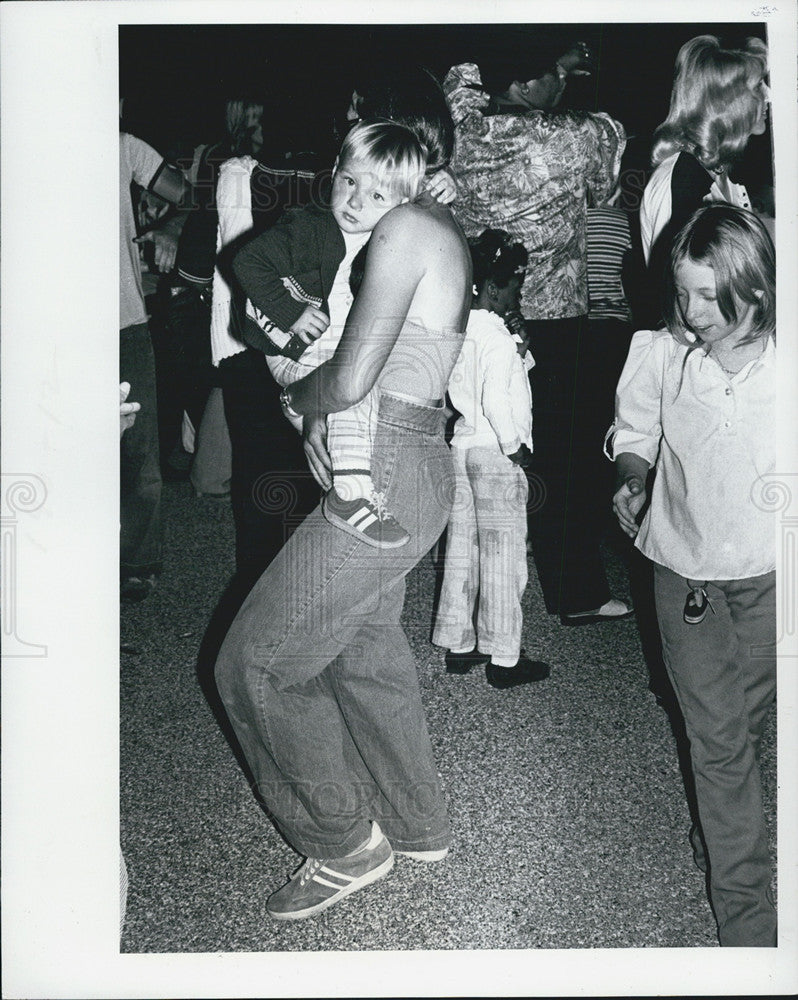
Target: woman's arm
[[394, 268]]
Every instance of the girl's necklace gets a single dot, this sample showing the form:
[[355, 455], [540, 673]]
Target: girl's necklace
[[730, 372], [722, 366]]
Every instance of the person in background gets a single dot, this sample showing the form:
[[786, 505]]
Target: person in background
[[141, 535], [485, 567], [245, 187], [182, 307], [609, 331], [698, 399], [718, 101], [522, 168]]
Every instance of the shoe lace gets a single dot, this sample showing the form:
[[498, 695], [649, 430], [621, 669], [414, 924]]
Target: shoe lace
[[380, 503], [705, 595], [309, 869]]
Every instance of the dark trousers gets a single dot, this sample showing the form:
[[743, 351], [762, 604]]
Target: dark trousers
[[180, 327], [140, 470], [573, 386], [271, 487], [724, 674]]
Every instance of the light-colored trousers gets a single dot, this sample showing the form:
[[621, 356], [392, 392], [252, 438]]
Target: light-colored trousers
[[350, 433], [485, 567]]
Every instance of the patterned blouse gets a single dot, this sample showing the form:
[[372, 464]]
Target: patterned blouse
[[530, 173]]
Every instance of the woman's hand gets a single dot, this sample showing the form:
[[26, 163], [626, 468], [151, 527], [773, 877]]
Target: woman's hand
[[442, 187], [628, 502], [314, 441], [578, 60]]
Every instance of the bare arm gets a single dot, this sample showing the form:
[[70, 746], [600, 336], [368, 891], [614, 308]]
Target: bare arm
[[394, 268]]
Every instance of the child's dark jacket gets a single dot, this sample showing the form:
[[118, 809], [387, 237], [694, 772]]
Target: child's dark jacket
[[291, 265]]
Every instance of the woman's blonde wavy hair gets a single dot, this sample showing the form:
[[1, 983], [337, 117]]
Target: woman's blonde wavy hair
[[715, 101]]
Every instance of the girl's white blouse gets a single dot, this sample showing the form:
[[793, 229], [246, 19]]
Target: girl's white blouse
[[712, 437]]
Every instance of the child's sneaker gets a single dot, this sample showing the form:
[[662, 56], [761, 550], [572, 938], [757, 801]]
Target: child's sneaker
[[366, 519], [696, 606]]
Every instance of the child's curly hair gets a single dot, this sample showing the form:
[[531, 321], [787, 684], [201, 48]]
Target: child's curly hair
[[495, 257]]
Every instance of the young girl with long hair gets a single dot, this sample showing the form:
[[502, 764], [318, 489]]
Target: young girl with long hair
[[698, 399]]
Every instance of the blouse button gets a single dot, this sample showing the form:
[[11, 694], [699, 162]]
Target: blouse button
[[728, 423], [728, 391]]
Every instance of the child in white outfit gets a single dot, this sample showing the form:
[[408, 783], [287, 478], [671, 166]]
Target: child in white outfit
[[485, 566]]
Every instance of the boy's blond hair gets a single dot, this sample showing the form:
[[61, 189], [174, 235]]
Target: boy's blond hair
[[392, 151]]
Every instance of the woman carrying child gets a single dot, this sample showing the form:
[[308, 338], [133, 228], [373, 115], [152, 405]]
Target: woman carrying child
[[698, 398], [303, 264], [492, 443], [316, 673]]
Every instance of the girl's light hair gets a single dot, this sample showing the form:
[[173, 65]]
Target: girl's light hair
[[241, 118], [737, 246], [392, 151], [715, 101]]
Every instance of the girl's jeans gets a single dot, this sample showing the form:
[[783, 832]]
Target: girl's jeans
[[724, 674], [317, 675]]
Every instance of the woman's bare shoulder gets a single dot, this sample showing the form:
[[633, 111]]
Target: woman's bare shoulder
[[417, 222]]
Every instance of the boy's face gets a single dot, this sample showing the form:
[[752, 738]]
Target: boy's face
[[360, 198]]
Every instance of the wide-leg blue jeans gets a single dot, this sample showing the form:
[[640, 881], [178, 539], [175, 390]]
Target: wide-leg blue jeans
[[316, 673]]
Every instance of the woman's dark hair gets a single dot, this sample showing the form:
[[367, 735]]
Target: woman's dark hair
[[413, 97], [499, 67], [495, 257]]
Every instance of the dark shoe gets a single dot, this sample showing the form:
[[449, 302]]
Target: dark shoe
[[696, 606], [461, 663], [320, 883], [613, 611], [223, 495], [526, 671], [136, 588]]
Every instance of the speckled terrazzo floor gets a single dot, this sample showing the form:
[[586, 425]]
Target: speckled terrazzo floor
[[566, 797]]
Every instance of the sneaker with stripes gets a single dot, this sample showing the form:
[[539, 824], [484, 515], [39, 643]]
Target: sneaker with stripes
[[366, 518], [320, 883]]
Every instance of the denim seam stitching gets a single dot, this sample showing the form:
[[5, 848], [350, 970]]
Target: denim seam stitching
[[323, 584]]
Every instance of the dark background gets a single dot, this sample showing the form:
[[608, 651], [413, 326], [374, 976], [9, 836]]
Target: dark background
[[176, 78]]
